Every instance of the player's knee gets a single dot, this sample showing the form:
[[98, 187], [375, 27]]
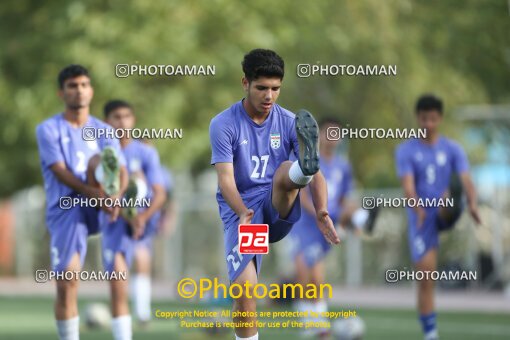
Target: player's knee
[[427, 263], [281, 173], [285, 165], [120, 264], [426, 267]]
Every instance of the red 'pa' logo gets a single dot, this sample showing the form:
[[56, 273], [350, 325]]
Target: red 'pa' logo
[[253, 238]]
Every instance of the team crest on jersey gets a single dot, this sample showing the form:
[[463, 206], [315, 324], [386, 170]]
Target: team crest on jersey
[[275, 140]]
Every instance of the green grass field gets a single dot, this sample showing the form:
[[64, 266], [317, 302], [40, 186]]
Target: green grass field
[[32, 318]]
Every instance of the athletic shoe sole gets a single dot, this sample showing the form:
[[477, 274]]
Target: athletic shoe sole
[[307, 131], [111, 170]]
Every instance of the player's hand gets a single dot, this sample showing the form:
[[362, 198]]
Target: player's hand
[[138, 225], [245, 217], [327, 227], [421, 214], [473, 210]]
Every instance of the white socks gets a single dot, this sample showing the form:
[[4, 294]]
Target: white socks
[[121, 328], [297, 176], [432, 335], [253, 337], [141, 296], [69, 329]]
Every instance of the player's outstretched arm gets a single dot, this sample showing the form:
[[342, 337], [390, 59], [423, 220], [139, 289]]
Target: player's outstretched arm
[[468, 185], [319, 191], [228, 187]]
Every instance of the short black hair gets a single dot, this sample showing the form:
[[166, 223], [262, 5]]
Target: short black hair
[[429, 102], [329, 120], [115, 104], [262, 63], [71, 71]]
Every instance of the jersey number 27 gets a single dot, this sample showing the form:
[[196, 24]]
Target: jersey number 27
[[257, 160]]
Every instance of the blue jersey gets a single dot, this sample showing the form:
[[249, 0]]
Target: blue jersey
[[431, 165], [144, 158], [256, 151], [58, 141]]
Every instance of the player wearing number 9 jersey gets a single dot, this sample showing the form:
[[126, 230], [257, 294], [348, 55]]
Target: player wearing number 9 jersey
[[432, 168], [251, 145]]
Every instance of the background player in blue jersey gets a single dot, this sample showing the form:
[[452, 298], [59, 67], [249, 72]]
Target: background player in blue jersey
[[66, 159], [251, 145], [434, 167], [308, 244], [122, 237]]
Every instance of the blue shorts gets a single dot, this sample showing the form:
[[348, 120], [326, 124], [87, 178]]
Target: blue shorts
[[68, 231], [265, 213], [422, 240], [308, 241], [117, 238]]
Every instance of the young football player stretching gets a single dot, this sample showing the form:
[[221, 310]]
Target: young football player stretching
[[251, 144]]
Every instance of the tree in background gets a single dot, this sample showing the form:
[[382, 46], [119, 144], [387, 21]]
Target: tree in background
[[459, 52]]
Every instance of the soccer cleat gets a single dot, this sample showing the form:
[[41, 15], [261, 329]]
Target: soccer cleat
[[111, 171], [130, 196], [307, 131]]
